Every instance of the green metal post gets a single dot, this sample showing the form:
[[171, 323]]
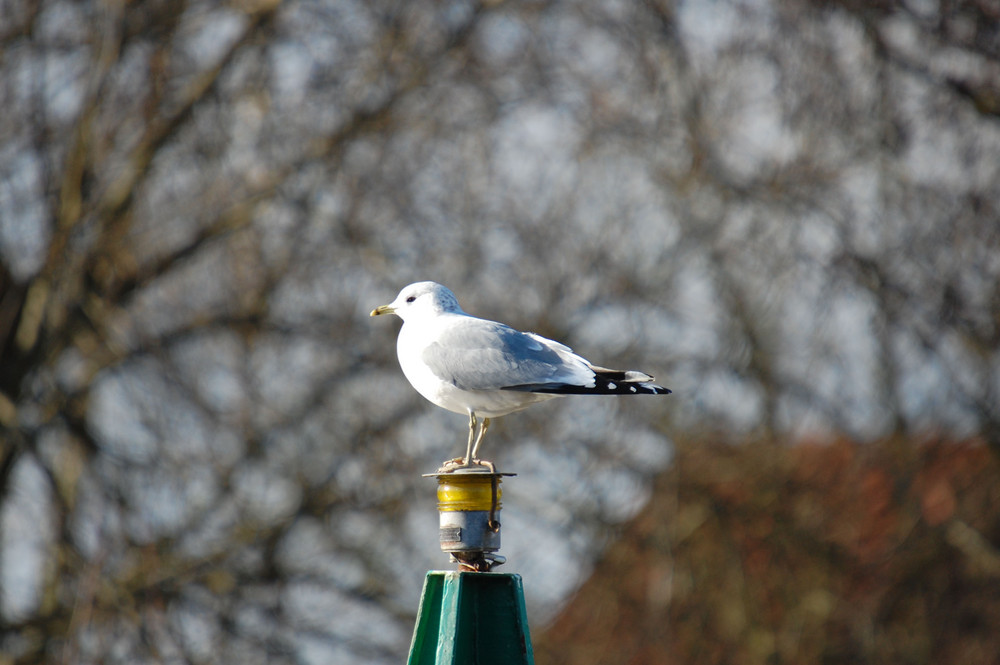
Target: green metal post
[[471, 619]]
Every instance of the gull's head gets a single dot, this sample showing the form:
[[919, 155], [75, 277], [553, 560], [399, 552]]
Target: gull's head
[[420, 300]]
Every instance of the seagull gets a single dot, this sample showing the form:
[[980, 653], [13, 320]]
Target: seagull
[[485, 369]]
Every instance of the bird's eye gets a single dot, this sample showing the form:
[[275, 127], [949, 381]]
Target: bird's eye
[[411, 299]]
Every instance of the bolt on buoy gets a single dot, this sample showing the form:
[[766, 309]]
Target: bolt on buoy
[[469, 516]]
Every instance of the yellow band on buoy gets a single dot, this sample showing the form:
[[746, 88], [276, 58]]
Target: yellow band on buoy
[[466, 492]]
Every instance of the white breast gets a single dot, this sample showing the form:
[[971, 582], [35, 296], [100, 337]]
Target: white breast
[[409, 349]]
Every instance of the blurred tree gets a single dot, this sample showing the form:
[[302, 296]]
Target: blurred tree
[[786, 210], [834, 553]]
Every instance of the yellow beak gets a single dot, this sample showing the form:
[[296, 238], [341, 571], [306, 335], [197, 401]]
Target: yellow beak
[[382, 309]]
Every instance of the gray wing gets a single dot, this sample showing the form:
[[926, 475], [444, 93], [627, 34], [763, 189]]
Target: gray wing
[[474, 354]]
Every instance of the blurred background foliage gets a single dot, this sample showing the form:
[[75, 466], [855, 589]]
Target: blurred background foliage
[[787, 210], [833, 553]]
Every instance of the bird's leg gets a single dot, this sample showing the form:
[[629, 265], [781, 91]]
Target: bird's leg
[[471, 447], [472, 457], [479, 439], [475, 449]]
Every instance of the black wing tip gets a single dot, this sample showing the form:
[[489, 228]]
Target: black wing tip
[[640, 389], [626, 382], [600, 387], [606, 382]]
